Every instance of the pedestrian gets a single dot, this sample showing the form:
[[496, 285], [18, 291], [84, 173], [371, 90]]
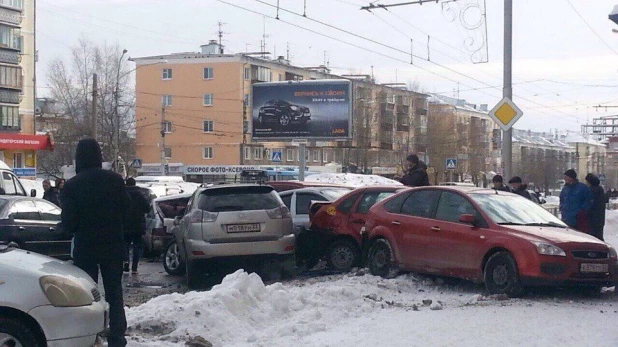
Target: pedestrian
[[519, 188], [60, 183], [416, 175], [95, 209], [498, 184], [50, 193], [136, 225], [575, 201], [596, 214]]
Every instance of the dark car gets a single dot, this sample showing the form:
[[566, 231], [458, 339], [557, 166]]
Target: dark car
[[283, 113], [34, 225]]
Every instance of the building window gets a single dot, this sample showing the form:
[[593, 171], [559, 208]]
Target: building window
[[166, 100], [289, 155], [280, 77], [9, 118], [257, 153], [247, 73], [261, 74], [247, 153], [267, 153], [19, 4], [10, 37], [167, 74], [168, 153], [10, 77], [208, 126], [246, 100], [316, 155], [325, 156], [307, 155], [207, 100], [167, 127], [18, 160], [208, 74], [207, 153]]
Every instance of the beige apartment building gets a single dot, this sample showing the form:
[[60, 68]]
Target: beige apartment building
[[201, 102]]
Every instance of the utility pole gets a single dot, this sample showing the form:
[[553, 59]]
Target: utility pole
[[95, 96], [116, 138], [162, 143], [507, 91], [220, 33]]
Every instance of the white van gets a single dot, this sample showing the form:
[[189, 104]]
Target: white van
[[10, 184]]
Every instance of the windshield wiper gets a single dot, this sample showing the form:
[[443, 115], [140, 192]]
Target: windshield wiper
[[549, 224], [510, 223]]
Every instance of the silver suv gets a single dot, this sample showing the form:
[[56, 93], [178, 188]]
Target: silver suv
[[235, 222]]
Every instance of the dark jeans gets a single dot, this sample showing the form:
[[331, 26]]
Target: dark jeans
[[110, 265], [133, 241]]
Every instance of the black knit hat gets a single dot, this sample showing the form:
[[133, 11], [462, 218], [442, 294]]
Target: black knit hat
[[497, 179], [571, 173], [593, 180], [515, 179]]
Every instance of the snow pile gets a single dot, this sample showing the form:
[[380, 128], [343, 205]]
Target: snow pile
[[353, 180], [610, 233]]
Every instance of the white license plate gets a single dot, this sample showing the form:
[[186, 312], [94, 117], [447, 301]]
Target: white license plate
[[594, 267], [242, 228]]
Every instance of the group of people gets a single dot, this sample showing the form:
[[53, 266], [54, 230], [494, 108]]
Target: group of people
[[52, 194], [582, 206]]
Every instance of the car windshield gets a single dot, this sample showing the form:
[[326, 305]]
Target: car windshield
[[515, 210], [334, 194], [239, 199]]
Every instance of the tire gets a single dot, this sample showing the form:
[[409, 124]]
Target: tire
[[284, 120], [17, 332], [381, 259], [171, 261], [343, 255], [501, 275], [194, 275], [311, 262]]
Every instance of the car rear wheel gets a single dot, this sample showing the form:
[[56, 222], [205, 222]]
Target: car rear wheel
[[343, 255], [381, 259], [284, 120], [16, 333], [501, 275], [172, 263]]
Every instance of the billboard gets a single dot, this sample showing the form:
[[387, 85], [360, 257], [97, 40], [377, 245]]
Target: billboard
[[288, 110]]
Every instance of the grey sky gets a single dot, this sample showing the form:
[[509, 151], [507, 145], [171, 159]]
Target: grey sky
[[562, 68]]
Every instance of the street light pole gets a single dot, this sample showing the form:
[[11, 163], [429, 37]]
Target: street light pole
[[116, 139], [507, 91]]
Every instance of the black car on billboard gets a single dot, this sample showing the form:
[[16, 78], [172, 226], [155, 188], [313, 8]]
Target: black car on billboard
[[283, 113]]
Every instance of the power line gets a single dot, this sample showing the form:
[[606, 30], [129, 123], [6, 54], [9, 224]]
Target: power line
[[590, 27]]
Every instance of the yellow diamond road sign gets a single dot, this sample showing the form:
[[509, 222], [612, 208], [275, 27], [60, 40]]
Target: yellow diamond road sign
[[506, 113]]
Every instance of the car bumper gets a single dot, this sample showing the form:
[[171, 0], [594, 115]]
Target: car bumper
[[199, 249], [72, 326], [566, 272]]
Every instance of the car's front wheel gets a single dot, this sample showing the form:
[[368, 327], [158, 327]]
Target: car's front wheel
[[284, 120], [343, 255], [15, 333], [381, 259], [172, 263], [501, 275]]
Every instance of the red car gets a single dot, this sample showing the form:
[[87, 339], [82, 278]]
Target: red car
[[483, 235], [335, 227]]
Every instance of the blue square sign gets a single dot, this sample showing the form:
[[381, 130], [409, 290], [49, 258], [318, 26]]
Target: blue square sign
[[276, 156], [451, 164]]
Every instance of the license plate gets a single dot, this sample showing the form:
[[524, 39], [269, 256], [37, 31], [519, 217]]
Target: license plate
[[242, 228], [594, 267]]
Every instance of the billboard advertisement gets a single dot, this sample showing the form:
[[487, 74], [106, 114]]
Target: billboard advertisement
[[288, 110]]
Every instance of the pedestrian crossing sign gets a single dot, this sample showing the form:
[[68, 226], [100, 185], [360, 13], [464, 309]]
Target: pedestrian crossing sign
[[451, 164], [136, 163], [276, 157]]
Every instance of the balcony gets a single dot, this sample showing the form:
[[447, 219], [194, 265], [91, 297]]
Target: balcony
[[10, 57], [9, 15], [10, 77], [9, 96]]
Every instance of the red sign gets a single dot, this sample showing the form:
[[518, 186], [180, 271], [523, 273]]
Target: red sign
[[18, 141]]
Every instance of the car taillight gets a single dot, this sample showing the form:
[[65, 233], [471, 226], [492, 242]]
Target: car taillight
[[279, 213], [203, 217]]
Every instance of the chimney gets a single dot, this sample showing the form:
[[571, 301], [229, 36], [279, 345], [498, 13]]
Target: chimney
[[212, 47], [281, 60], [484, 108]]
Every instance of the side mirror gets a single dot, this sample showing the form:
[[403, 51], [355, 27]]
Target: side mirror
[[468, 219], [33, 193]]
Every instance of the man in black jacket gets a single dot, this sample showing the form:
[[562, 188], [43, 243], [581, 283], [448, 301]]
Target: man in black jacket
[[135, 228], [519, 187], [498, 184], [596, 214], [51, 193], [417, 173], [95, 208]]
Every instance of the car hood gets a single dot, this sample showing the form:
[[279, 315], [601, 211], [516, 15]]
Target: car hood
[[555, 235]]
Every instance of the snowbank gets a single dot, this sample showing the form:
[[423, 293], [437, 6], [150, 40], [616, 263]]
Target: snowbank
[[354, 180]]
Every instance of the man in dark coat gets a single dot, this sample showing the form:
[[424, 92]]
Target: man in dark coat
[[596, 214], [136, 225], [519, 187], [575, 201], [50, 194], [95, 210], [498, 184], [417, 173]]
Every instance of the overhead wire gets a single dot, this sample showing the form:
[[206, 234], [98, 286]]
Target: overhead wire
[[590, 27]]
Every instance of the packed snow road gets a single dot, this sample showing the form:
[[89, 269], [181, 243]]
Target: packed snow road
[[358, 309]]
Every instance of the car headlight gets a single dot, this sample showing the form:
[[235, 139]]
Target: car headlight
[[64, 292], [548, 249], [294, 108]]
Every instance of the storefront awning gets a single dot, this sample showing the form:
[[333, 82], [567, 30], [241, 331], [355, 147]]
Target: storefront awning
[[19, 141]]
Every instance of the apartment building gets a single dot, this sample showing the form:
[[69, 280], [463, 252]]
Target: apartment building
[[201, 103], [18, 142]]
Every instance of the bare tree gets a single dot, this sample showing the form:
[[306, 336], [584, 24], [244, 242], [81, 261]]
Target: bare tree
[[71, 85]]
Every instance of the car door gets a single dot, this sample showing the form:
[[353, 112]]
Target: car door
[[301, 202], [58, 241], [358, 214], [456, 248], [411, 228], [31, 232]]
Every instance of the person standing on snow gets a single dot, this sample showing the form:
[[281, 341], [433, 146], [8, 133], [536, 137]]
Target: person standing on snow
[[95, 208], [136, 225], [50, 194], [417, 173], [498, 184], [575, 201], [596, 214]]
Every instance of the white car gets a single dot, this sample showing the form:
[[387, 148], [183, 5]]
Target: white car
[[47, 302]]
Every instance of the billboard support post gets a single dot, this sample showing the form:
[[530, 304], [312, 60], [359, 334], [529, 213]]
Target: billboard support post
[[303, 162]]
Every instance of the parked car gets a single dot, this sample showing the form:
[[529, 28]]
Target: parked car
[[483, 235], [335, 228], [34, 225], [283, 112], [246, 222], [536, 197], [160, 221], [11, 184], [33, 185], [282, 186], [46, 302], [299, 200]]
